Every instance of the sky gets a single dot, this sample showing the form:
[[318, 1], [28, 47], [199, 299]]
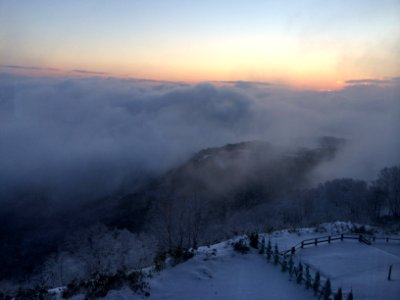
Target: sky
[[305, 44]]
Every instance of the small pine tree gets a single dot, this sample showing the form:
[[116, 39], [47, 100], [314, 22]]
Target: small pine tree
[[291, 265], [299, 277], [269, 250], [327, 290], [262, 248], [338, 295], [308, 278], [254, 240], [316, 283], [284, 265], [276, 254], [350, 295]]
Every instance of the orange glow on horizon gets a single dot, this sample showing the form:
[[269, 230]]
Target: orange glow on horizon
[[301, 79]]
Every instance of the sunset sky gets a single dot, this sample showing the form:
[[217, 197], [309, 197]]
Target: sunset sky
[[304, 43]]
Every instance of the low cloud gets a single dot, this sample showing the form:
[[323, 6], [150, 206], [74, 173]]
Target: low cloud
[[89, 72], [246, 84], [88, 137], [371, 81], [31, 68]]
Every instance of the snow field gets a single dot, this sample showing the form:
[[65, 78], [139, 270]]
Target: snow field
[[225, 275], [356, 266]]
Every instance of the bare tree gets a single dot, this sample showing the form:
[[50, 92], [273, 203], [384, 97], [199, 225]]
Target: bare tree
[[389, 183], [178, 222]]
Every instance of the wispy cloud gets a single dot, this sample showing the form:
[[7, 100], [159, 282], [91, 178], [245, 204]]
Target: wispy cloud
[[28, 68], [89, 72], [396, 79], [368, 81], [243, 84]]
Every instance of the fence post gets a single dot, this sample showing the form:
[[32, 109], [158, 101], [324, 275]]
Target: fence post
[[302, 244], [293, 250], [387, 240], [329, 239], [316, 242], [390, 272]]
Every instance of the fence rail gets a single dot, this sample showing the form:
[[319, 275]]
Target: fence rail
[[362, 238]]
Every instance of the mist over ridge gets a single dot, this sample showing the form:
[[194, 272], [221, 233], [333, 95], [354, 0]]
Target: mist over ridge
[[89, 137]]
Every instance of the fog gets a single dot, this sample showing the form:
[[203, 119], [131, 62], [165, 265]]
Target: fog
[[82, 138]]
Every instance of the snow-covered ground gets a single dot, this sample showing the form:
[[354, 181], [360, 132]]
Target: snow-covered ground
[[225, 275], [217, 272], [357, 266]]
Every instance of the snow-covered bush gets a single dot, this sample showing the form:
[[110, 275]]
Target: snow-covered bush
[[180, 255], [98, 285], [98, 250], [159, 261], [241, 246]]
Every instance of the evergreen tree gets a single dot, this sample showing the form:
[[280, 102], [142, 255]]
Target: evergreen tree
[[308, 278], [299, 277], [269, 250], [254, 240], [338, 295], [276, 254], [350, 296], [262, 248], [327, 290], [284, 265], [291, 264], [316, 283]]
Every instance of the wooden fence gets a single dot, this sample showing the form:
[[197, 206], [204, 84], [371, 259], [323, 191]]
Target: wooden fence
[[362, 238]]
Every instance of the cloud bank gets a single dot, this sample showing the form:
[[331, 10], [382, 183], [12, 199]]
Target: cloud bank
[[88, 137]]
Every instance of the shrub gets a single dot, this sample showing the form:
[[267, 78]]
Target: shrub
[[361, 230], [159, 261], [37, 293], [73, 288], [4, 296], [181, 255], [241, 246], [99, 285], [137, 283]]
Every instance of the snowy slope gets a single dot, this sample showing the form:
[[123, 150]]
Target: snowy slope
[[217, 272], [227, 275]]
